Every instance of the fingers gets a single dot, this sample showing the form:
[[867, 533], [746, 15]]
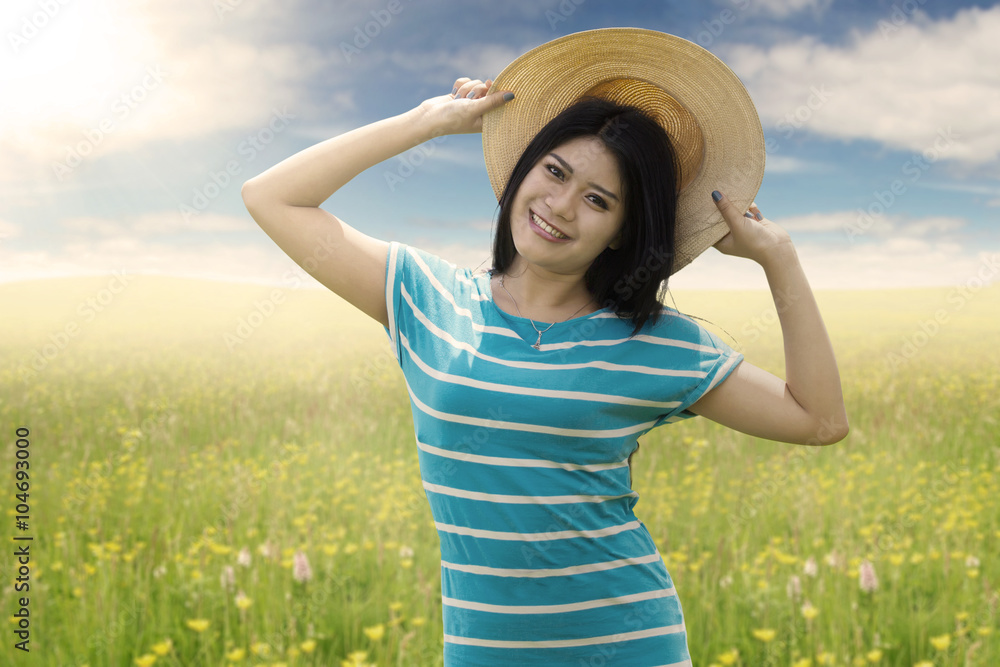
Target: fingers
[[466, 88]]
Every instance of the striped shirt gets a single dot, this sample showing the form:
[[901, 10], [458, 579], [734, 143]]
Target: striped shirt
[[524, 460]]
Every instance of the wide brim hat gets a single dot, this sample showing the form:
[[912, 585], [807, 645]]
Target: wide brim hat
[[702, 104]]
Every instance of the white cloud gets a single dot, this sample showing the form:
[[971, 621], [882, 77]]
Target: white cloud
[[921, 86], [786, 164], [783, 8], [111, 75]]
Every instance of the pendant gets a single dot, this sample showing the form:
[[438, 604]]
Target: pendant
[[538, 342]]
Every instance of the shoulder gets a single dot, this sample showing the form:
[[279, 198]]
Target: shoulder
[[676, 326]]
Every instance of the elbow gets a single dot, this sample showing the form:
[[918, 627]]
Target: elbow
[[831, 431]]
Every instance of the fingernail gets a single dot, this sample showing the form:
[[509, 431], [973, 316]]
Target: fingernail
[[759, 216], [716, 195], [747, 215], [454, 90], [470, 95], [507, 97]]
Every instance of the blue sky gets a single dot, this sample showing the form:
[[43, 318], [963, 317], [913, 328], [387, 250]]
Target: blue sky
[[128, 128]]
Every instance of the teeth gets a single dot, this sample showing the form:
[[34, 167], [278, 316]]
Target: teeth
[[547, 227]]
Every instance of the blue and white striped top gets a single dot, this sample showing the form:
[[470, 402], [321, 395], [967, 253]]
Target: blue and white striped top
[[524, 460]]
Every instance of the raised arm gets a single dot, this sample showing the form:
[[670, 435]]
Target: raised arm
[[285, 199], [808, 407]]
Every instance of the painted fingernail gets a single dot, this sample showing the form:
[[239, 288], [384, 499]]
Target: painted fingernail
[[747, 215], [759, 216], [716, 195], [471, 94], [507, 97], [454, 90]]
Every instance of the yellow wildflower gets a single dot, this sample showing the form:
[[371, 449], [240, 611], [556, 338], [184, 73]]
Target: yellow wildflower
[[145, 660], [417, 621], [729, 657], [804, 662], [809, 612], [942, 642], [764, 634], [874, 655], [260, 648], [375, 633], [236, 655], [198, 624], [163, 647], [309, 645], [826, 658], [984, 631]]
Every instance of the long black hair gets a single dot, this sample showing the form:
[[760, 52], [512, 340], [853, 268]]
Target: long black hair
[[627, 279]]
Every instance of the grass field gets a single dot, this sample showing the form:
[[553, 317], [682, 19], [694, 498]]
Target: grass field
[[225, 475]]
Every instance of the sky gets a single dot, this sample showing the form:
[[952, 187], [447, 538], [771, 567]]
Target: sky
[[128, 126]]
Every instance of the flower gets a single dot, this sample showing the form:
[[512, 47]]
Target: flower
[[405, 552], [810, 569], [764, 634], [242, 601], [826, 658], [260, 648], [794, 587], [803, 662], [924, 663], [228, 577], [809, 612], [145, 660], [243, 558], [236, 654], [300, 567], [971, 561], [163, 647], [198, 624], [874, 655], [729, 657], [375, 632], [309, 645], [941, 642], [725, 581], [867, 578]]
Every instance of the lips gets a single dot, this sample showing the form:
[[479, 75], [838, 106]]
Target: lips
[[546, 227]]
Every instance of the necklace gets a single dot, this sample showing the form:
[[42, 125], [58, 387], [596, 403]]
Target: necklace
[[538, 342]]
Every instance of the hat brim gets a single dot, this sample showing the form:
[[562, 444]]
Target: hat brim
[[549, 78]]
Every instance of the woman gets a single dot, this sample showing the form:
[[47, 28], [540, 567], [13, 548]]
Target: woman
[[530, 385]]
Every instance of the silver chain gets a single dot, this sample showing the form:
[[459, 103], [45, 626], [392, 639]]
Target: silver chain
[[538, 342]]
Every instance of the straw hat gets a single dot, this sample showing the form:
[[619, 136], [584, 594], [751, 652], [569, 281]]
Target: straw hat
[[701, 103]]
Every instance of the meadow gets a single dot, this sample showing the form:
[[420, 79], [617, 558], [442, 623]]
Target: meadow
[[225, 474]]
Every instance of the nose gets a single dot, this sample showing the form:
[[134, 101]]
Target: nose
[[560, 201]]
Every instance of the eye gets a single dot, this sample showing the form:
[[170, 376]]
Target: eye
[[554, 170], [597, 201]]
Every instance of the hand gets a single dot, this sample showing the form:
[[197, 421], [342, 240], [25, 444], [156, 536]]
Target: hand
[[461, 112], [751, 235]]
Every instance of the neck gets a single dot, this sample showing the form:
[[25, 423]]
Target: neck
[[541, 291]]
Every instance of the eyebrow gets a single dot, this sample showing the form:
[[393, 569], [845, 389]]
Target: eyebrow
[[565, 165]]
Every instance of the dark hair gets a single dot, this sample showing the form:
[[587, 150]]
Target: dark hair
[[629, 278]]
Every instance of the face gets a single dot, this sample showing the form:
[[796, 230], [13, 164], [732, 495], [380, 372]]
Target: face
[[569, 208]]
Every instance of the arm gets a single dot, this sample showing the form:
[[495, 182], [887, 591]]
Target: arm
[[285, 199], [808, 407]]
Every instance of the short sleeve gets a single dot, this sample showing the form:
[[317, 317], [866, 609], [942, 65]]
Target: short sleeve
[[710, 359], [418, 286], [395, 269]]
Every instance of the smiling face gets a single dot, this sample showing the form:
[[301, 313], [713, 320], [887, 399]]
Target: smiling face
[[569, 207]]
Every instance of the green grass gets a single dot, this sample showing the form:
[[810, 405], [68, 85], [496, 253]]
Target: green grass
[[164, 441]]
